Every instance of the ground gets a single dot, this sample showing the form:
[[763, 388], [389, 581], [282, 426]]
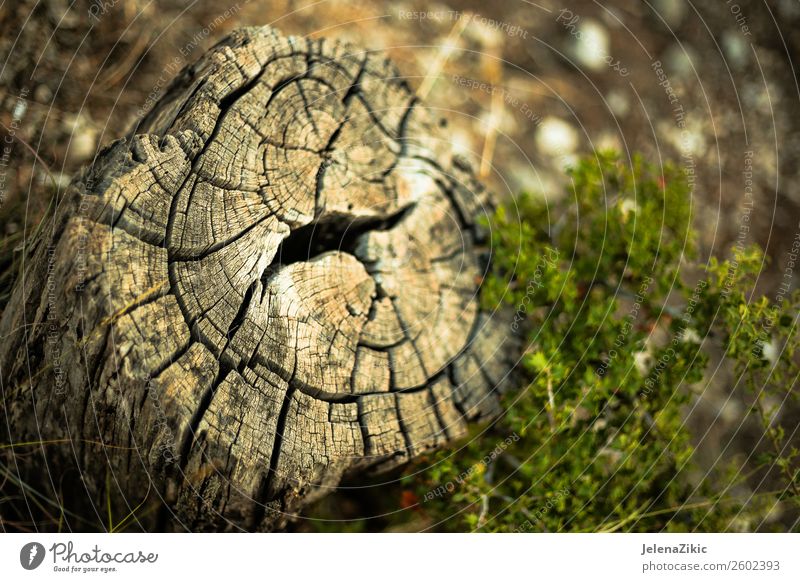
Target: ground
[[525, 86]]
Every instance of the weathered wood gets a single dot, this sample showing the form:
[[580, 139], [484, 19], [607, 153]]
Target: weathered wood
[[271, 282]]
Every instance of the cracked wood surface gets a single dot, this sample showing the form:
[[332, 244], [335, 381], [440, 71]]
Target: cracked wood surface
[[272, 282]]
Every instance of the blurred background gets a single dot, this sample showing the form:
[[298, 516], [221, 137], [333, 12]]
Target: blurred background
[[526, 86]]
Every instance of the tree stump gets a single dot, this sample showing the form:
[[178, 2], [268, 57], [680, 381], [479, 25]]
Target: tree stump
[[270, 283]]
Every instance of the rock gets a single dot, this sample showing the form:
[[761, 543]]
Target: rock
[[556, 137]]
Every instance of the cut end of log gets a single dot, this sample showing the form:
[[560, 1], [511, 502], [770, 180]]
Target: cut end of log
[[269, 283]]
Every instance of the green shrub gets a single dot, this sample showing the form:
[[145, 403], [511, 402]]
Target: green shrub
[[620, 323]]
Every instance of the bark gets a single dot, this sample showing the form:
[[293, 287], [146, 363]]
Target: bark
[[270, 283]]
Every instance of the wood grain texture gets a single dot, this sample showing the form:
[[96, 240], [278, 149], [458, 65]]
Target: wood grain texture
[[270, 283]]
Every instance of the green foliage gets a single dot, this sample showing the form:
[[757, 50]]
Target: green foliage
[[616, 339], [761, 339]]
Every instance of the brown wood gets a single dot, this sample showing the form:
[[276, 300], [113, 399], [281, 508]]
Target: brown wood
[[270, 283]]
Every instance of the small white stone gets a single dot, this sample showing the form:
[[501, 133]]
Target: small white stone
[[592, 45], [735, 48], [556, 137], [82, 145], [608, 141], [618, 102]]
